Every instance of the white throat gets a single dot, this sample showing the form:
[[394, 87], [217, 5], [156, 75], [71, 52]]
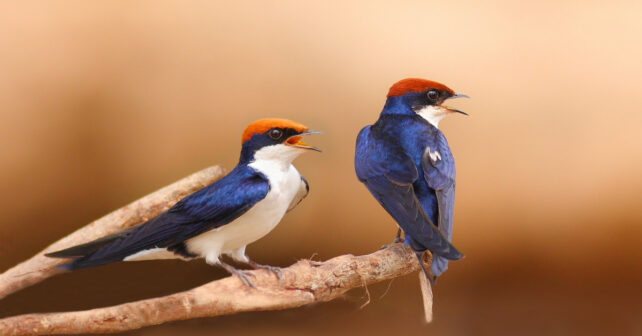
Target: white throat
[[279, 156], [433, 114]]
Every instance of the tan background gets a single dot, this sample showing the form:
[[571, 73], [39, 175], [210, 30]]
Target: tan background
[[102, 102]]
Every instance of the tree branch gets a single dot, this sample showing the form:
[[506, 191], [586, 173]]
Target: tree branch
[[40, 267], [303, 283]]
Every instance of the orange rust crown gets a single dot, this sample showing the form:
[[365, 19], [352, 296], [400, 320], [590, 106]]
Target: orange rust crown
[[263, 125], [404, 86]]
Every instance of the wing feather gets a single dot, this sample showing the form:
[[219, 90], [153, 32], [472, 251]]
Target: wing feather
[[438, 168], [213, 206], [388, 173], [304, 189]]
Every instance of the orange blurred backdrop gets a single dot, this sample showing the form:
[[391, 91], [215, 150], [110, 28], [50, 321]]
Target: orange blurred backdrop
[[102, 102]]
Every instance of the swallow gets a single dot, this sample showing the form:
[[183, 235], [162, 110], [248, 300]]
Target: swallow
[[405, 162], [222, 218]]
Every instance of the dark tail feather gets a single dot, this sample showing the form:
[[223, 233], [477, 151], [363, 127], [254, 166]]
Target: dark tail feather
[[453, 253], [91, 247], [83, 249], [450, 252], [67, 266], [83, 253], [85, 262], [439, 265]]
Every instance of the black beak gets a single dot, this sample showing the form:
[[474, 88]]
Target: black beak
[[456, 110], [457, 95]]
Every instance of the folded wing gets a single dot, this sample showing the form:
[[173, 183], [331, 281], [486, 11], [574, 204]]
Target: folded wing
[[213, 206], [388, 173]]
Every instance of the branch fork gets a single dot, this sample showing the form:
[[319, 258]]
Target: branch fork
[[302, 283]]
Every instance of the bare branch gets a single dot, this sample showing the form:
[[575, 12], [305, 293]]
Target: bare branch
[[303, 283], [40, 267]]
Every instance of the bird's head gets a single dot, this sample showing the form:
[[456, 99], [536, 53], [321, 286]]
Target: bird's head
[[274, 139], [425, 98]]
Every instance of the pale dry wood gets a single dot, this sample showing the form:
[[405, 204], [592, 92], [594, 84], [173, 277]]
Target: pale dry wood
[[426, 295], [303, 283], [40, 267]]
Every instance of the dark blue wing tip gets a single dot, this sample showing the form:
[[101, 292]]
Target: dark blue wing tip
[[69, 266], [455, 254], [452, 254]]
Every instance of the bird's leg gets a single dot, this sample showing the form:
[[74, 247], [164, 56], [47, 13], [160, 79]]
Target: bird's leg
[[243, 276], [240, 256], [397, 240], [272, 269], [420, 258]]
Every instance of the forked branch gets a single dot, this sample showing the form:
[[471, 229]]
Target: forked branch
[[303, 283]]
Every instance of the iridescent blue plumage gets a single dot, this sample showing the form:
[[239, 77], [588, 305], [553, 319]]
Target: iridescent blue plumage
[[406, 164], [212, 207]]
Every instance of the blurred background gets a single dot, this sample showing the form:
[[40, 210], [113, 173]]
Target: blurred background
[[102, 102]]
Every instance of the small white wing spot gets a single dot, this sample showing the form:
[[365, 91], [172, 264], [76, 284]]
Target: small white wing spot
[[434, 156]]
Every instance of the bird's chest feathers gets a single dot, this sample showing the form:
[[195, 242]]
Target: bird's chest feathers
[[259, 220], [284, 182]]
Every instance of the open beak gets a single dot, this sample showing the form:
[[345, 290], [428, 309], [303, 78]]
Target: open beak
[[458, 95], [453, 110], [296, 141]]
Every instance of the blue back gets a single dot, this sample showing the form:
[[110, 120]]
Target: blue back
[[213, 206], [417, 191]]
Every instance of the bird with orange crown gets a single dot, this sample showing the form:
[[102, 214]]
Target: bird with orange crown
[[222, 218]]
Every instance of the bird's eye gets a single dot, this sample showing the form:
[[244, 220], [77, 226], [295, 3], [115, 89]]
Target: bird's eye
[[275, 134], [433, 95]]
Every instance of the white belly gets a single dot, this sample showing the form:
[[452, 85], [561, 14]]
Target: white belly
[[256, 222]]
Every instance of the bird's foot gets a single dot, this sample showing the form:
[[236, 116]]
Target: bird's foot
[[242, 275], [272, 269]]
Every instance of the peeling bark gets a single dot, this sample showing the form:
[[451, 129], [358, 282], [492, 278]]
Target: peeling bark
[[303, 283]]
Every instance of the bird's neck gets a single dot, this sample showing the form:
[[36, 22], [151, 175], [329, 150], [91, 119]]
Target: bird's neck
[[277, 157], [397, 105], [271, 167], [402, 106], [247, 155], [432, 114]]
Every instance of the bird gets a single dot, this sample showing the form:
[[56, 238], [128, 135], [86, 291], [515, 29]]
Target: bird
[[223, 217], [405, 162]]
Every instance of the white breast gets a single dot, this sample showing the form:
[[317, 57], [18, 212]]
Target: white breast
[[284, 181]]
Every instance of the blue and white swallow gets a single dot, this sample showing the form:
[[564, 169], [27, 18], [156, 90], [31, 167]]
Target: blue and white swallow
[[405, 162], [222, 218]]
